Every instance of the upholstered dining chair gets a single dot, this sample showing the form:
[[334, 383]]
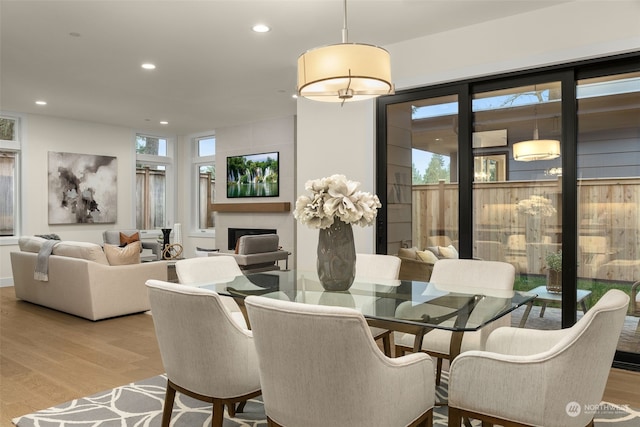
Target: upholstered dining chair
[[530, 377], [377, 266], [205, 353], [467, 275], [319, 366], [210, 269]]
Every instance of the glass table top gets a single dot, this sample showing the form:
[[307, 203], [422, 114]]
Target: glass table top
[[384, 302]]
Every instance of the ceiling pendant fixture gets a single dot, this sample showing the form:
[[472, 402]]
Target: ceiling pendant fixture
[[536, 149], [344, 72]]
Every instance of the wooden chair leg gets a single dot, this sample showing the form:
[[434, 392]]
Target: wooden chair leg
[[231, 408], [386, 344], [218, 413], [439, 371], [240, 407], [429, 421], [169, 398], [455, 419]]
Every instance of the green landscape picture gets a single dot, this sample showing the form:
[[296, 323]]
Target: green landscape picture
[[254, 175]]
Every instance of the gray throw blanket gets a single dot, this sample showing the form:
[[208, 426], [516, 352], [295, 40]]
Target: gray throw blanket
[[42, 262]]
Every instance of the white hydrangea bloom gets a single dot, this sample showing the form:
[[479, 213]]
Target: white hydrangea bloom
[[336, 197]]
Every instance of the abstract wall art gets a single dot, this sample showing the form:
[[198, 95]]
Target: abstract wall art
[[82, 188]]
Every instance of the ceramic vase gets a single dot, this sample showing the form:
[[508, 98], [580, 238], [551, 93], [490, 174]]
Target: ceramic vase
[[166, 233], [336, 256]]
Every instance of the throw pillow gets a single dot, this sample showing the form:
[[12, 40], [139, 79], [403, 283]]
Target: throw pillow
[[427, 256], [125, 240], [130, 254], [449, 252], [435, 250], [409, 253]]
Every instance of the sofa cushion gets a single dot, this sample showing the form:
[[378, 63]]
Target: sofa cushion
[[448, 252], [427, 256], [82, 250], [30, 243], [409, 253], [130, 254]]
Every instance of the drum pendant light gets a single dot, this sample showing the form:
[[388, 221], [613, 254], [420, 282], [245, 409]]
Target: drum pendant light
[[344, 72]]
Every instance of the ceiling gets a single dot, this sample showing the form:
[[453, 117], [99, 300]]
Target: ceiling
[[84, 57]]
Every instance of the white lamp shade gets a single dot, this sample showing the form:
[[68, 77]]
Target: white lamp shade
[[536, 149], [344, 72]]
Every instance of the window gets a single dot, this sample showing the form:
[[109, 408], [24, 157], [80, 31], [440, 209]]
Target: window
[[154, 182], [9, 175], [205, 176]]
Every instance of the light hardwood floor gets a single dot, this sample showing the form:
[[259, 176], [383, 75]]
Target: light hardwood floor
[[48, 357]]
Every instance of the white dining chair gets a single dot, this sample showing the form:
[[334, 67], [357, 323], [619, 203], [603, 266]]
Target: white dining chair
[[375, 267], [319, 366], [539, 377], [469, 276], [192, 271], [205, 353]]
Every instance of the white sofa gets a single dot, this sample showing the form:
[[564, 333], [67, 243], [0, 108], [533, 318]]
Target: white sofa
[[81, 281]]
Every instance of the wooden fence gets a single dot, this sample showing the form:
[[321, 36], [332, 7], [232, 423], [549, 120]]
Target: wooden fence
[[608, 209]]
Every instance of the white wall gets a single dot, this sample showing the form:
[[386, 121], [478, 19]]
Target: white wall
[[332, 138]]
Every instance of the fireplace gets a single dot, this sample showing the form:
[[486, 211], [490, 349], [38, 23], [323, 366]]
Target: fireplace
[[235, 233]]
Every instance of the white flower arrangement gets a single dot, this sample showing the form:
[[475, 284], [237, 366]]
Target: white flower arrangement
[[536, 206], [336, 197]]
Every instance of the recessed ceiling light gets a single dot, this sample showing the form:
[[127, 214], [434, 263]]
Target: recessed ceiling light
[[74, 34], [41, 102], [148, 66], [164, 122], [261, 28]]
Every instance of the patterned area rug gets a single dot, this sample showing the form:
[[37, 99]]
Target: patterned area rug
[[140, 404]]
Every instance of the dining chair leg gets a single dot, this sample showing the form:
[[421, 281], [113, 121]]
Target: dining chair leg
[[439, 371], [231, 408], [386, 344], [454, 417], [218, 413], [241, 405], [169, 398]]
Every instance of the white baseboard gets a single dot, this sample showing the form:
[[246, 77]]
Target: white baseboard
[[6, 281]]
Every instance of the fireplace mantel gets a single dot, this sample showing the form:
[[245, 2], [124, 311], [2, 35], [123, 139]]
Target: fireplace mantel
[[274, 207]]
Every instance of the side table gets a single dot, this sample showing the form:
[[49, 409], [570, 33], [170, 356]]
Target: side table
[[546, 297]]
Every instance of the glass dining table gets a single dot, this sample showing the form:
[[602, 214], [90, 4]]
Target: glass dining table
[[413, 307]]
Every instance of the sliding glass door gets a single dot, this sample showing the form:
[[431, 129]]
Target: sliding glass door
[[540, 169], [608, 206]]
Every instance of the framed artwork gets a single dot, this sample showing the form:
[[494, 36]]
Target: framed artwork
[[82, 188], [253, 175]]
